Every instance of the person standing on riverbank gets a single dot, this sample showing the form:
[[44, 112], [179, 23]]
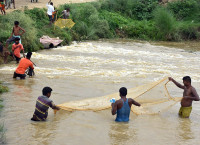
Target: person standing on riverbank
[[66, 13], [15, 33], [50, 11], [16, 48], [189, 95], [123, 106], [42, 105], [23, 65], [2, 7]]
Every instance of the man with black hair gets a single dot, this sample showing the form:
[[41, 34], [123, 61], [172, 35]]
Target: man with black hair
[[16, 48], [50, 11], [2, 7], [23, 65], [15, 33], [42, 105], [123, 106], [189, 95]]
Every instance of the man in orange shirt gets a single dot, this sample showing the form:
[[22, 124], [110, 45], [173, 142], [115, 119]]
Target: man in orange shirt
[[16, 48], [2, 7], [22, 67]]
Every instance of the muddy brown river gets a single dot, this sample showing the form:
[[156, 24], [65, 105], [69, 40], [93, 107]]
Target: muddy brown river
[[97, 68]]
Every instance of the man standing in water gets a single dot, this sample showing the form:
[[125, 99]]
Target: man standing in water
[[123, 106], [189, 95], [23, 65], [42, 105]]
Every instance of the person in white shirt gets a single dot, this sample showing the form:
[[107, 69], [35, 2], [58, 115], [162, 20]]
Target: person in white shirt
[[66, 13], [50, 10]]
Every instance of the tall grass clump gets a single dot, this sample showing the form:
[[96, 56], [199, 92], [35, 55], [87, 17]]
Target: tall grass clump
[[166, 23], [2, 130], [2, 134], [88, 24], [136, 9], [144, 30], [3, 88], [185, 9]]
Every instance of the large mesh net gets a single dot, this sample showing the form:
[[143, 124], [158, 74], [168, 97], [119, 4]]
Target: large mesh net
[[62, 23], [153, 97]]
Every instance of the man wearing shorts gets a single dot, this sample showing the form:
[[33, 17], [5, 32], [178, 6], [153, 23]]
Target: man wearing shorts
[[189, 95], [22, 67], [16, 48], [2, 7], [15, 33]]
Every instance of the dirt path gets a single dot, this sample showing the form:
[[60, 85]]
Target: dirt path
[[20, 4]]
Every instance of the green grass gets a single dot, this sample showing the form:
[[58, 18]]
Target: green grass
[[3, 89], [2, 129], [2, 134], [135, 19]]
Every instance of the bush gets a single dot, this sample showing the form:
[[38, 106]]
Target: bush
[[136, 9], [3, 89], [189, 31], [88, 24], [165, 23], [141, 30], [185, 9]]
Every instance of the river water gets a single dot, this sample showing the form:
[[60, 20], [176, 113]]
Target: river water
[[97, 68]]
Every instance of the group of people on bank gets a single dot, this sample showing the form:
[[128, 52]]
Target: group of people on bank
[[5, 4]]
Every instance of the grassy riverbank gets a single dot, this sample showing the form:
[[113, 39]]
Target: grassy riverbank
[[135, 19], [2, 130]]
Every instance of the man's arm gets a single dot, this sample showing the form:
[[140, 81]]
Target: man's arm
[[176, 83], [48, 3], [196, 96], [12, 33], [54, 106], [23, 31], [13, 48], [31, 66], [135, 103], [23, 53], [114, 108]]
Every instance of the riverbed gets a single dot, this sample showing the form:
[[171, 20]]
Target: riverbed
[[97, 68]]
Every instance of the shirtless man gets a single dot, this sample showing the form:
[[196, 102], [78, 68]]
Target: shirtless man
[[189, 95], [15, 33]]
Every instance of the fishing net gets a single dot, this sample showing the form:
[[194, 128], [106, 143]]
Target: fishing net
[[153, 97], [62, 23]]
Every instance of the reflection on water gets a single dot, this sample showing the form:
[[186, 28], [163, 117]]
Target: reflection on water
[[122, 133], [185, 131], [92, 69]]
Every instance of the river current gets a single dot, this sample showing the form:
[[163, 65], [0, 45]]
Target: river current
[[97, 68]]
